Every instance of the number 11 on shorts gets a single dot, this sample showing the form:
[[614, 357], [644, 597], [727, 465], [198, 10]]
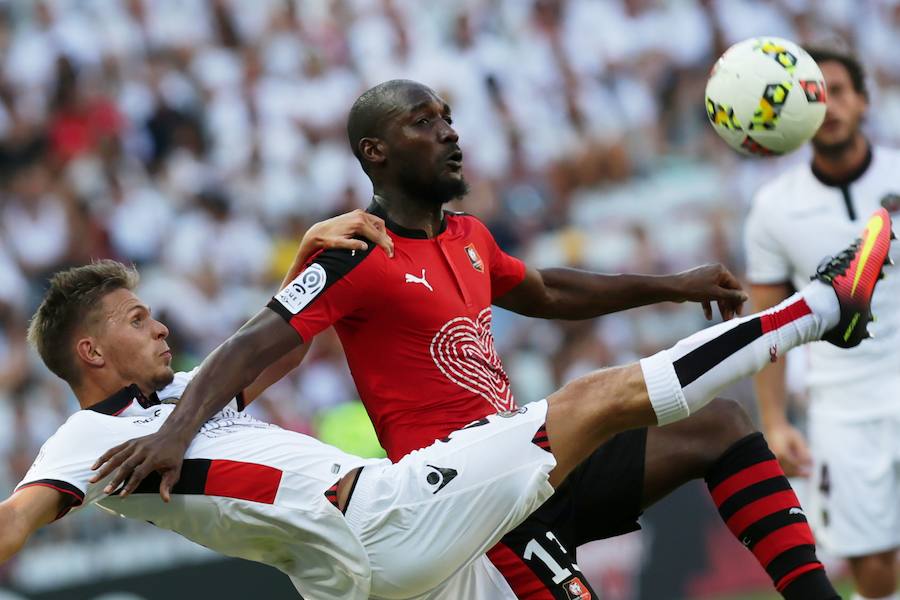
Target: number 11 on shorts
[[535, 549]]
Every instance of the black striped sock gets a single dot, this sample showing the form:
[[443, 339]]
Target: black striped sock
[[760, 508]]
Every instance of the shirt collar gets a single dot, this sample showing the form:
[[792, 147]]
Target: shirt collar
[[419, 234], [850, 178], [118, 402]]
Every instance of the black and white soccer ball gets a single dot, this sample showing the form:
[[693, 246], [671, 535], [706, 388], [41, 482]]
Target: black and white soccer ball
[[766, 96]]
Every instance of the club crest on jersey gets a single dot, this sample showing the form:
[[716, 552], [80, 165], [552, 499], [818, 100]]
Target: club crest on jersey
[[476, 261], [576, 590], [303, 289], [891, 202]]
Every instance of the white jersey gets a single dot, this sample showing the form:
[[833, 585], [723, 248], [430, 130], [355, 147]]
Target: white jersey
[[417, 529], [797, 220], [239, 474]]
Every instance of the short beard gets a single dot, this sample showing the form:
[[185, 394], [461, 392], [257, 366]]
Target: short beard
[[438, 191], [162, 381], [835, 150]]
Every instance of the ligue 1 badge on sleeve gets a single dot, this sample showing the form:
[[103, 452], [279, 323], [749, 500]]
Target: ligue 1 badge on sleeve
[[891, 202], [303, 289], [477, 264]]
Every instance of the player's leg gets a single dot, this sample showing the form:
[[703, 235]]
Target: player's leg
[[875, 576], [717, 441], [671, 385], [496, 473], [432, 513], [749, 488], [752, 493], [854, 488], [746, 482], [601, 498]]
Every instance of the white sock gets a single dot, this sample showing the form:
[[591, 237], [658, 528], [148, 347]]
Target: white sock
[[684, 378], [891, 597]]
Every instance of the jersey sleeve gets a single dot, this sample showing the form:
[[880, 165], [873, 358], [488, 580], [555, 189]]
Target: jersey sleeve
[[64, 462], [506, 271], [335, 284], [766, 260]]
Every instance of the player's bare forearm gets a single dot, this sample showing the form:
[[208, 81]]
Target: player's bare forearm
[[562, 293], [770, 382], [10, 540], [24, 513], [274, 373], [232, 367], [771, 395]]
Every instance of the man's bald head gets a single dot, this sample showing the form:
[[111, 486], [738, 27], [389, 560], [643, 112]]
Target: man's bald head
[[375, 107]]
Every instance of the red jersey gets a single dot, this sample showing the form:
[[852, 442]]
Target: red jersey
[[416, 328]]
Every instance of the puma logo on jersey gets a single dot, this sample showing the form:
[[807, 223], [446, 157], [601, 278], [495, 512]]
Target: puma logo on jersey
[[440, 477], [410, 278], [796, 511]]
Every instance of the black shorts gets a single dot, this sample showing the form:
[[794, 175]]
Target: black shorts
[[601, 498]]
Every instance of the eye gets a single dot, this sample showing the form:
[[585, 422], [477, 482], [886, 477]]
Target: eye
[[423, 121], [136, 322], [449, 120]]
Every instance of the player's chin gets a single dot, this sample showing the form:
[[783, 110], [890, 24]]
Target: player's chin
[[831, 140], [163, 377], [454, 184]]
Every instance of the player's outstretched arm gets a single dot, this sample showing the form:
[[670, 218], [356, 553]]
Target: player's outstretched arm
[[23, 513], [562, 293]]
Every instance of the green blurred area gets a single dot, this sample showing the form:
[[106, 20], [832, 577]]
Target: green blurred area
[[844, 587], [347, 426]]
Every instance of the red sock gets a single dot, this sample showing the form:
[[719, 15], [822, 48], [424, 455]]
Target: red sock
[[759, 506]]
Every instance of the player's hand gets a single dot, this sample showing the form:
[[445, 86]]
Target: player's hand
[[339, 232], [711, 283], [791, 449], [134, 460]]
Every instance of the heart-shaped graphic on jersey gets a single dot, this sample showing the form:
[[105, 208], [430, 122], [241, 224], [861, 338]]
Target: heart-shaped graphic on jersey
[[464, 352]]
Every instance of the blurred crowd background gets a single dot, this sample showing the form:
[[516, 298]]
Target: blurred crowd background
[[198, 139]]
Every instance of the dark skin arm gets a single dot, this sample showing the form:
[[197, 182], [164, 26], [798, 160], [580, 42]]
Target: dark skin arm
[[561, 293]]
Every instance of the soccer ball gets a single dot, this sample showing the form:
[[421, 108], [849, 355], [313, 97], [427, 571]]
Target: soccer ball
[[765, 96]]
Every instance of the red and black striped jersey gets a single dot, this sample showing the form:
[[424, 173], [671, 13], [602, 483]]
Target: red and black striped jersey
[[416, 328]]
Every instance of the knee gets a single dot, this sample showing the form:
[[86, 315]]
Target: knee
[[724, 422]]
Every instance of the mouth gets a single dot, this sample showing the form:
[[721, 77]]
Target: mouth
[[830, 124], [455, 160], [166, 354]]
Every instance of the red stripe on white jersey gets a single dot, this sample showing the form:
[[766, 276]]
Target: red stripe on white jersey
[[242, 481]]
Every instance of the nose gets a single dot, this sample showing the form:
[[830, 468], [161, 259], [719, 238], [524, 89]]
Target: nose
[[448, 134], [161, 331]]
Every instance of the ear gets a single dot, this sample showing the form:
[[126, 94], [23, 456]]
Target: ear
[[88, 352], [373, 150]]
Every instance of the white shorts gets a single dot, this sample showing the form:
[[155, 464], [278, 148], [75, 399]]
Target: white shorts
[[854, 505], [438, 509]]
